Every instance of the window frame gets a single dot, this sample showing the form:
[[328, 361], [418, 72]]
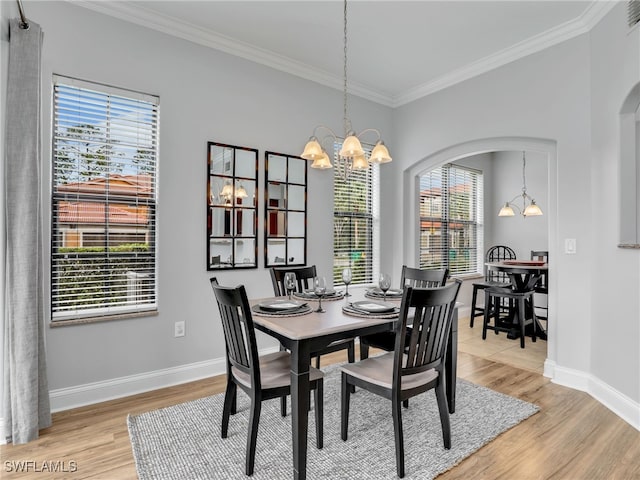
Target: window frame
[[127, 180]]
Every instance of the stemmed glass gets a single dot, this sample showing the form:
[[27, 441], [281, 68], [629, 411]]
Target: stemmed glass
[[346, 278], [290, 283], [385, 284], [319, 288]]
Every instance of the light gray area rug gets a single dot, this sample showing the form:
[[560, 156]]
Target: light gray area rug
[[183, 441]]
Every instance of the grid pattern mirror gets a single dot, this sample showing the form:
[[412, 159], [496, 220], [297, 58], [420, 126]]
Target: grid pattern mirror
[[232, 186], [285, 210]]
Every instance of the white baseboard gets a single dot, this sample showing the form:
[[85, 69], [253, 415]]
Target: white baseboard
[[617, 402], [96, 392], [3, 440]]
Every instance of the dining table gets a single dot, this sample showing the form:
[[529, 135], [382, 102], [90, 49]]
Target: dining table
[[306, 333], [524, 275]]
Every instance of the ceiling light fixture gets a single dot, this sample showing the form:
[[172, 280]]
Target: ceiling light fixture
[[530, 210], [351, 156]]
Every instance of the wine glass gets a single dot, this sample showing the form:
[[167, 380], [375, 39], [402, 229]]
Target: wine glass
[[385, 284], [319, 288], [290, 283], [347, 276]]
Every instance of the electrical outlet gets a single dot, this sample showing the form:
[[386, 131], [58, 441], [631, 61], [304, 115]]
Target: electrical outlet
[[178, 329]]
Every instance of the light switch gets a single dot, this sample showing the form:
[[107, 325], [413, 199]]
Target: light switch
[[570, 245]]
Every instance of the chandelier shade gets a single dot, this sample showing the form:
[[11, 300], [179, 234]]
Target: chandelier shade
[[322, 162], [312, 150], [351, 155]]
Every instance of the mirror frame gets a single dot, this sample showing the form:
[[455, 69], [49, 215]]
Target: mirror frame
[[282, 210], [232, 211]]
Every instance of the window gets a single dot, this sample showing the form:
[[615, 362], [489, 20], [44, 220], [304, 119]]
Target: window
[[451, 219], [355, 224], [103, 203]]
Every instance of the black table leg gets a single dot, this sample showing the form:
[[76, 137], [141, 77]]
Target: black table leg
[[300, 360]]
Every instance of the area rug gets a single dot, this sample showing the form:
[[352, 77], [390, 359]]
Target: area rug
[[183, 441]]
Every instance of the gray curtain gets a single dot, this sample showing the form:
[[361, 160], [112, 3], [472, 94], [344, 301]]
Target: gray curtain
[[26, 393]]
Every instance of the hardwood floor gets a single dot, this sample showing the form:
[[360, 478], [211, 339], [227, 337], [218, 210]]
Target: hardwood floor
[[572, 437]]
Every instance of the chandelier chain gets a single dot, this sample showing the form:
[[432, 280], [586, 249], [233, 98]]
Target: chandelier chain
[[524, 178], [346, 126]]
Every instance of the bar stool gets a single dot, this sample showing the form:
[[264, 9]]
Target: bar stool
[[496, 253], [519, 299]]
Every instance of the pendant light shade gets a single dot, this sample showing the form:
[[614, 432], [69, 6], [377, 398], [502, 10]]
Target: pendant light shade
[[241, 192], [532, 210], [351, 147], [227, 190], [380, 154], [322, 162], [506, 211], [359, 163], [312, 150]]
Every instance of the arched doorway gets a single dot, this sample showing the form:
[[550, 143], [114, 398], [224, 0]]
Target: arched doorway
[[475, 147]]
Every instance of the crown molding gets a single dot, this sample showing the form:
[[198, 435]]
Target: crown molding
[[196, 34], [583, 24]]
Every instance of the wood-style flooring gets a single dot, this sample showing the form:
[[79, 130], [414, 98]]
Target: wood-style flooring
[[573, 437]]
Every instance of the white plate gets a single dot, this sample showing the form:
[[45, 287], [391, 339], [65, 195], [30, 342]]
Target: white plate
[[280, 305], [396, 292], [373, 307]]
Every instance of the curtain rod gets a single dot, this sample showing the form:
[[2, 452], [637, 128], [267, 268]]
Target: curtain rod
[[24, 23]]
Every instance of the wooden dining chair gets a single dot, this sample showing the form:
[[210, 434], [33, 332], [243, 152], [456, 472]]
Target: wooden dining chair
[[304, 275], [497, 253], [410, 369], [413, 277], [304, 278], [261, 378]]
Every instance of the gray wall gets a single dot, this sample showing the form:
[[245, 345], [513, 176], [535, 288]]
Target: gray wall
[[561, 95], [205, 95]]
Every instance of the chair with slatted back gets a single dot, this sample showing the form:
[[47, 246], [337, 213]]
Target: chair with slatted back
[[261, 378], [412, 277], [412, 368], [542, 287], [304, 275], [304, 278], [497, 253]]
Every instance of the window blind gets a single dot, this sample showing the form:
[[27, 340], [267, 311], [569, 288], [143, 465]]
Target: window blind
[[104, 171], [451, 219], [355, 223], [633, 12]]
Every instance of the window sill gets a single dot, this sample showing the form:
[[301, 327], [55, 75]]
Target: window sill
[[105, 318], [468, 276]]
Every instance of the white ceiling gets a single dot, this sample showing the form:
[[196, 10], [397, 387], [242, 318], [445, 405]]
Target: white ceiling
[[397, 50]]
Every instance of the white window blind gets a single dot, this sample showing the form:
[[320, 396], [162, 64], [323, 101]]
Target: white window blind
[[355, 224], [103, 249], [451, 219]]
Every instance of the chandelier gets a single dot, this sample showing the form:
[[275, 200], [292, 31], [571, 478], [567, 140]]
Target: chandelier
[[351, 156], [528, 210]]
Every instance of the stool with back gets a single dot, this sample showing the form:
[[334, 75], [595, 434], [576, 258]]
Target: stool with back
[[496, 253]]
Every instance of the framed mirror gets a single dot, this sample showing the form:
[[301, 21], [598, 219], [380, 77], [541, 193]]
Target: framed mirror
[[285, 241], [232, 220]]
